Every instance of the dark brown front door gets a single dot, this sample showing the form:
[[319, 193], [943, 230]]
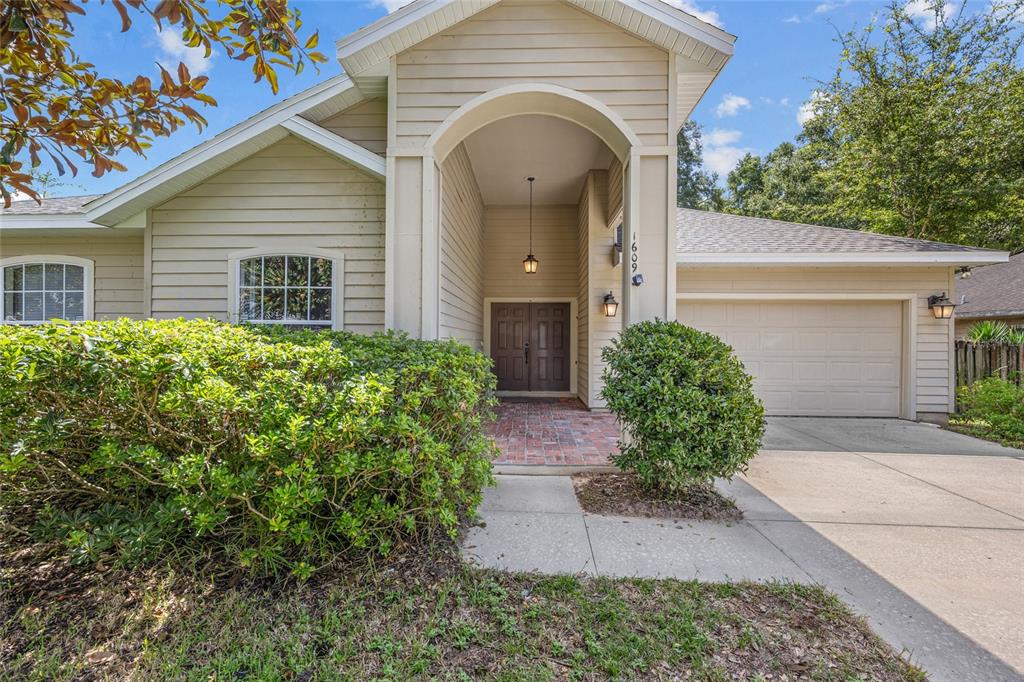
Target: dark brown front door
[[530, 346]]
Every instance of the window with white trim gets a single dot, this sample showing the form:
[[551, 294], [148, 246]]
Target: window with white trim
[[37, 291], [286, 289]]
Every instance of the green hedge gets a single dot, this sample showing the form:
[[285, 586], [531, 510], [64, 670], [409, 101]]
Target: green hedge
[[286, 450], [686, 403], [998, 403]]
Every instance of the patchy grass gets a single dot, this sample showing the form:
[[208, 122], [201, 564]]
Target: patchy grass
[[621, 494], [429, 617], [980, 429]]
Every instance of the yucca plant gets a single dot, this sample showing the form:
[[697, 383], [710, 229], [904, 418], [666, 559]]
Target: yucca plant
[[1015, 335], [989, 331]]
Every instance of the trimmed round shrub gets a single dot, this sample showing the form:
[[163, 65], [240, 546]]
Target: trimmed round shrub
[[283, 451], [686, 405]]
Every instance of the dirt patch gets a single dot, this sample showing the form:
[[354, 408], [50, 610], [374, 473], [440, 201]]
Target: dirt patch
[[620, 494]]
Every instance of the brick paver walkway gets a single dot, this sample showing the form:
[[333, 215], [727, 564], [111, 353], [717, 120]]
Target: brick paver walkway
[[553, 431]]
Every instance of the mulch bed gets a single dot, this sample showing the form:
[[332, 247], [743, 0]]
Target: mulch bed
[[620, 494]]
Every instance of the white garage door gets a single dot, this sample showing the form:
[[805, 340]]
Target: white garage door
[[833, 358]]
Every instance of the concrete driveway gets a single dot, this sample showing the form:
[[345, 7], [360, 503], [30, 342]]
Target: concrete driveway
[[938, 515], [919, 529]]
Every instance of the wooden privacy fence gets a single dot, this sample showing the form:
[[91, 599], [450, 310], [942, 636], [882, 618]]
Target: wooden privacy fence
[[979, 360]]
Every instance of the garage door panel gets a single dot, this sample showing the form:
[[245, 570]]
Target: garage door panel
[[813, 357]]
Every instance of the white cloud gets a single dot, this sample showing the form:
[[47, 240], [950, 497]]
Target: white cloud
[[795, 19], [808, 110], [722, 151], [708, 15], [830, 5], [731, 105], [174, 50], [719, 137], [722, 160], [784, 101], [924, 11], [390, 5]]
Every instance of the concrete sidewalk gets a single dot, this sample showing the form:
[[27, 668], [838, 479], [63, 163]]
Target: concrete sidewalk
[[533, 523]]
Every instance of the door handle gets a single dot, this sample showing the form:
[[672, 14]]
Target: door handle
[[526, 350]]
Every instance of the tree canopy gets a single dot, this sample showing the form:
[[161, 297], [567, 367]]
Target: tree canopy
[[920, 133], [54, 104], [695, 186]]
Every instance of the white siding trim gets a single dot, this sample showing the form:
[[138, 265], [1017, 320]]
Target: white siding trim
[[337, 278], [324, 139], [88, 270]]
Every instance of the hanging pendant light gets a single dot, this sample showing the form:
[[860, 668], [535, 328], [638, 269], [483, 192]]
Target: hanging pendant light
[[530, 263]]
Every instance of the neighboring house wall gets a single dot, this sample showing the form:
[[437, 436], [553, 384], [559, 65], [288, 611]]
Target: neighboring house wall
[[964, 326], [366, 124], [932, 345], [597, 277], [289, 196], [118, 267], [506, 240], [530, 42], [462, 251]]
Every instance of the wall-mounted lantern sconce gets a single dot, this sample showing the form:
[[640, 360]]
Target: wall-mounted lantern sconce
[[611, 306], [941, 306]]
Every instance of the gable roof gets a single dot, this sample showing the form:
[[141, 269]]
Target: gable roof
[[227, 148], [724, 238], [993, 290], [365, 55]]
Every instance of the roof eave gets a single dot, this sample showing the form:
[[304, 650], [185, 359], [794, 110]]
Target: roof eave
[[950, 258]]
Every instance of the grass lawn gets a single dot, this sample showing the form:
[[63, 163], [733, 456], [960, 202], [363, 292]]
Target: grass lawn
[[426, 618]]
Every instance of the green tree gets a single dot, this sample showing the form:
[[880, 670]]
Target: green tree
[[923, 124], [55, 104], [695, 186], [787, 184]]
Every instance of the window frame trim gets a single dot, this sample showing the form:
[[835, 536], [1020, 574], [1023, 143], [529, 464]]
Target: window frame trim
[[337, 283], [88, 273]]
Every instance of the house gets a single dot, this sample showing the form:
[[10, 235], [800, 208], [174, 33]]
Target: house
[[396, 196], [993, 292]]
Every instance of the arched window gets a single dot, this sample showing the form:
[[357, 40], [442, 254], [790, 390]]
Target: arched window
[[301, 289], [37, 289]]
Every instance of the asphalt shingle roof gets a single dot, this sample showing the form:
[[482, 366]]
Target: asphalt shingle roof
[[993, 290], [709, 232], [50, 206]]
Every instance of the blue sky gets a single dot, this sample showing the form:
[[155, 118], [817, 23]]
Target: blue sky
[[782, 48]]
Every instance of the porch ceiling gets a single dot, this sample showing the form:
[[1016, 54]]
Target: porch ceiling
[[555, 151]]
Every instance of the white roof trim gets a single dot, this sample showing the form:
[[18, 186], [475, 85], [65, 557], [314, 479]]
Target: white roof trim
[[848, 258], [58, 221], [143, 192], [430, 17], [337, 145]]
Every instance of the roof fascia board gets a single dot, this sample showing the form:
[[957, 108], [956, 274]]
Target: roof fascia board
[[335, 144], [56, 221], [680, 21], [868, 258], [99, 209]]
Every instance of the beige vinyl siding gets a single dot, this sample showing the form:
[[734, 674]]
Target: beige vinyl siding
[[603, 277], [506, 241], [932, 343], [462, 251], [118, 279], [523, 41], [288, 196], [583, 292], [366, 124], [614, 191]]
